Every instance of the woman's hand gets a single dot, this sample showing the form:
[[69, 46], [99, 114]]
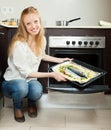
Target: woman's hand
[[55, 59], [57, 76], [64, 59]]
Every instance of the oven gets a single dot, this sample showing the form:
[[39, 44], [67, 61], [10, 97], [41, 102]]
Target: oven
[[89, 49]]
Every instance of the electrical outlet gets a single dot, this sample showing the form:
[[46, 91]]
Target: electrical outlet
[[7, 10], [10, 10], [4, 10]]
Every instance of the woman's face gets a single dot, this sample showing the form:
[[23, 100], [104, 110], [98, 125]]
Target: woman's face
[[32, 23]]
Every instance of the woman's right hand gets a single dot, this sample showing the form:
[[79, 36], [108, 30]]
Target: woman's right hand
[[57, 76]]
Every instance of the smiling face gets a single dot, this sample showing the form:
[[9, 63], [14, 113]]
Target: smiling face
[[32, 23]]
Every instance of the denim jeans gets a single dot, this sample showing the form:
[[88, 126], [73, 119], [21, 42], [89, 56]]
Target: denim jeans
[[19, 89]]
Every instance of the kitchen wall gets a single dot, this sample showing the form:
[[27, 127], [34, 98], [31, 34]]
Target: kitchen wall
[[90, 11]]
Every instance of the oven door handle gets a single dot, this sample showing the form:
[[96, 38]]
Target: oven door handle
[[62, 51], [76, 51]]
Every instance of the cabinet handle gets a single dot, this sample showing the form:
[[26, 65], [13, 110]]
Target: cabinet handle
[[1, 33]]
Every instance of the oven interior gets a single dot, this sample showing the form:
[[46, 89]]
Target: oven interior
[[92, 57]]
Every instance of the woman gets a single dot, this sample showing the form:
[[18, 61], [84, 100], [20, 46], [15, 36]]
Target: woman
[[25, 53]]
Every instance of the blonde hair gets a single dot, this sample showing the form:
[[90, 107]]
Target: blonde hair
[[22, 35]]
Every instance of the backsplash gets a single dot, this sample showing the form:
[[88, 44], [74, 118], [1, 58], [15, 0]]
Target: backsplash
[[91, 12]]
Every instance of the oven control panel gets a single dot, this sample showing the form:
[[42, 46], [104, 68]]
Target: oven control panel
[[76, 42]]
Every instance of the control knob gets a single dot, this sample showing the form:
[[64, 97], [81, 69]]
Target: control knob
[[80, 42], [67, 42], [73, 42], [97, 43], [85, 42], [91, 43]]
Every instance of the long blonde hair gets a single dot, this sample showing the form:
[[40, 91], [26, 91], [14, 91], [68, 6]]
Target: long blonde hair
[[22, 35]]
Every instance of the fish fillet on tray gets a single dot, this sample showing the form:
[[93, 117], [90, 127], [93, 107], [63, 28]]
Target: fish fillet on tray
[[76, 72]]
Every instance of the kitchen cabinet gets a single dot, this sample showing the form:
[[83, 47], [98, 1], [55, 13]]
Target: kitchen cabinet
[[7, 34], [3, 48], [5, 37], [108, 57], [3, 54]]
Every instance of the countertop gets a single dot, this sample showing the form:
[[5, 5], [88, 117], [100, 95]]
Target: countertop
[[99, 27]]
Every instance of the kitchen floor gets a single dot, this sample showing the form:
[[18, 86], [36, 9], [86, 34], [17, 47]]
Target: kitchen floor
[[89, 115]]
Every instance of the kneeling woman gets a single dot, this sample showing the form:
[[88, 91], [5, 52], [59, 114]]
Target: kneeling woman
[[25, 53]]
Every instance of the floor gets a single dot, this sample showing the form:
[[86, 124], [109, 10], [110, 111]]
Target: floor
[[57, 116]]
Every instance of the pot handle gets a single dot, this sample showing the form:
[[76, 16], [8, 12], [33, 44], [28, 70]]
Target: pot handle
[[74, 19]]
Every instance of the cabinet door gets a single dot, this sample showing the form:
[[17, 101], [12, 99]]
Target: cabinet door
[[3, 54], [3, 51], [108, 58]]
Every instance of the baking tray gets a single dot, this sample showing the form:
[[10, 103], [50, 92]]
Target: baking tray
[[97, 72]]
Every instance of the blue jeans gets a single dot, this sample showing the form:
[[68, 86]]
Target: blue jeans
[[19, 89]]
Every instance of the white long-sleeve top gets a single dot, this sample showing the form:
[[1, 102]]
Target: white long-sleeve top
[[22, 62]]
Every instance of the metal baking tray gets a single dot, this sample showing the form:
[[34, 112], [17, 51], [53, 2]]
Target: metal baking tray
[[84, 82]]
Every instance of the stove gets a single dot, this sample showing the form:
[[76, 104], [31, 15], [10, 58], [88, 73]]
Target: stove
[[88, 49]]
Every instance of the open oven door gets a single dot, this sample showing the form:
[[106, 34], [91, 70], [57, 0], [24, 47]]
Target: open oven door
[[82, 83]]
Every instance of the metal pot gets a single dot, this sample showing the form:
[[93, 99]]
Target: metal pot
[[65, 23]]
